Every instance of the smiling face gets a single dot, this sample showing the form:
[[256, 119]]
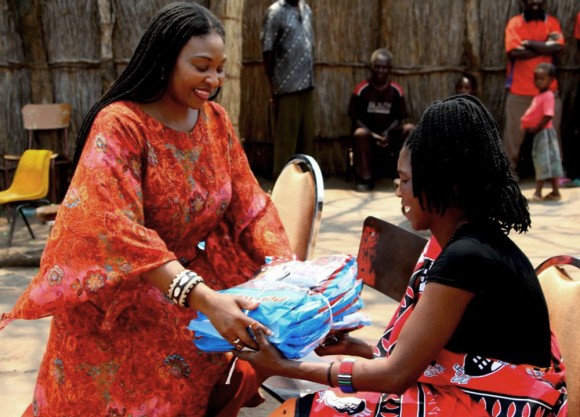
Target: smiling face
[[198, 72], [380, 70], [420, 219]]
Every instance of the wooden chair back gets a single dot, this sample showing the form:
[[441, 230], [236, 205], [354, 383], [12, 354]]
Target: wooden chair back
[[387, 256], [54, 116]]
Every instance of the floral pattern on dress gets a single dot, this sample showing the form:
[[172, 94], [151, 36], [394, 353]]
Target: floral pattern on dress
[[143, 195]]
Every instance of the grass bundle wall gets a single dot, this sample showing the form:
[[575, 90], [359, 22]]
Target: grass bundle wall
[[14, 79], [64, 50]]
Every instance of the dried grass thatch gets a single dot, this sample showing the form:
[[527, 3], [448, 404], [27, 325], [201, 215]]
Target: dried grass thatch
[[60, 50]]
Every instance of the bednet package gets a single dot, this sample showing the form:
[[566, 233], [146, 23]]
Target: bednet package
[[300, 301]]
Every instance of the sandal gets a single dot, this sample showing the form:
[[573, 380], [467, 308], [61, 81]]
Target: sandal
[[552, 197], [535, 199]]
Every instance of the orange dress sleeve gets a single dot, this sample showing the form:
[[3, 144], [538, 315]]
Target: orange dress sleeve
[[143, 195], [99, 238]]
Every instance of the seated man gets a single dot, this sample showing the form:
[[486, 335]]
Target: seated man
[[377, 109]]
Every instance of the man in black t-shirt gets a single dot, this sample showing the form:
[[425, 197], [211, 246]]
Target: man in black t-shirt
[[377, 109]]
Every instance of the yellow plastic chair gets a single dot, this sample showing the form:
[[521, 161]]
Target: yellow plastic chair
[[38, 120], [29, 186]]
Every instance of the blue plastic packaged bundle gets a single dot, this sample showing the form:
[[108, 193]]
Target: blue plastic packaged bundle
[[300, 301], [346, 304], [283, 311]]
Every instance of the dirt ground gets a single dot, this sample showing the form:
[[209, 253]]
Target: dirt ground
[[555, 231]]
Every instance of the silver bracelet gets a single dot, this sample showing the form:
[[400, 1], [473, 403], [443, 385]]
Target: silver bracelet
[[182, 285]]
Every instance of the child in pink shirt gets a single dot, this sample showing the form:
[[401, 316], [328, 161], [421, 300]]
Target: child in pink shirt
[[537, 120]]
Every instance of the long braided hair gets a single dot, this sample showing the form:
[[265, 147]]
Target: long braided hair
[[146, 76], [458, 159]]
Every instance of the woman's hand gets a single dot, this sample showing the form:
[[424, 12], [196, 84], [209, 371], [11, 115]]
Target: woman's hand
[[225, 312], [339, 343], [267, 360]]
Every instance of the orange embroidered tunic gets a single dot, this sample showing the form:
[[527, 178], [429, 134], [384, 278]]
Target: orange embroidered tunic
[[142, 195]]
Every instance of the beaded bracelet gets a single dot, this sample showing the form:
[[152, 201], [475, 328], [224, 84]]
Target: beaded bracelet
[[345, 375], [182, 285], [173, 284]]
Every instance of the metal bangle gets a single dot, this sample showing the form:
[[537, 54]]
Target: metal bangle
[[329, 374]]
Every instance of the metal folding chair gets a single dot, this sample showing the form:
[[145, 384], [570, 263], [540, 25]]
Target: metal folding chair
[[298, 195]]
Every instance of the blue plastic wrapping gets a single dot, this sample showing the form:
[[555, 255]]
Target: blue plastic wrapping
[[300, 301]]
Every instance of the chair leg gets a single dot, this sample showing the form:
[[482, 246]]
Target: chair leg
[[20, 209], [53, 181], [12, 223]]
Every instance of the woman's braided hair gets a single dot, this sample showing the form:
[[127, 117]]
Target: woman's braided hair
[[147, 74], [458, 159]]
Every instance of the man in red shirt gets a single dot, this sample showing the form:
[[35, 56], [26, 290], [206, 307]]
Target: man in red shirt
[[531, 38]]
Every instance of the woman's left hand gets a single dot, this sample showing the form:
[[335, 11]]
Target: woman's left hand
[[267, 360], [226, 313]]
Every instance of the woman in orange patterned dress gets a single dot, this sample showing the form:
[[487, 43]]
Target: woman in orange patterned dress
[[158, 170]]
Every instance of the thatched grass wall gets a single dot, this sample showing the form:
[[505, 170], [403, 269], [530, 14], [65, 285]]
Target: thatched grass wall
[[64, 50], [432, 42]]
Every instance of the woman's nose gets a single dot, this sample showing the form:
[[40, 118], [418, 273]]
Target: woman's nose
[[215, 79]]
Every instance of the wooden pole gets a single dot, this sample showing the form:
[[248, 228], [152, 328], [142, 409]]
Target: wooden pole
[[35, 50], [230, 13], [107, 22]]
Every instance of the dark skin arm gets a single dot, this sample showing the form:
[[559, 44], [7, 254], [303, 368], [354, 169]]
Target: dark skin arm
[[339, 343], [540, 126], [532, 49], [383, 138], [426, 332], [223, 310]]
